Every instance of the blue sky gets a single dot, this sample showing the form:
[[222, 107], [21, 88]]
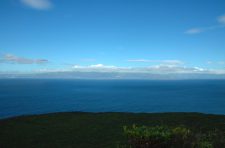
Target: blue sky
[[56, 35]]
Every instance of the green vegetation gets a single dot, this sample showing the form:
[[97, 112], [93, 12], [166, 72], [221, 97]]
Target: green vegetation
[[169, 137], [106, 130]]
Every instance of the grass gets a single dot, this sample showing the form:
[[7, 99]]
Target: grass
[[93, 130]]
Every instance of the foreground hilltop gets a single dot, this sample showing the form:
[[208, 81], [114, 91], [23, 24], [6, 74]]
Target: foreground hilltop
[[93, 130]]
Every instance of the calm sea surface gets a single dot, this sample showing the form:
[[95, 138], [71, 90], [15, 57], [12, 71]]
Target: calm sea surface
[[29, 96]]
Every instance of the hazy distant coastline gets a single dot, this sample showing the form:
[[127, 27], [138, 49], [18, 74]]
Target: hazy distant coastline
[[113, 75]]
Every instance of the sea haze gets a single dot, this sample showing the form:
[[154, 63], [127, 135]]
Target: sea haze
[[37, 96]]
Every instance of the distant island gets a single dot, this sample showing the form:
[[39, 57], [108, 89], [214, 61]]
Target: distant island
[[113, 75]]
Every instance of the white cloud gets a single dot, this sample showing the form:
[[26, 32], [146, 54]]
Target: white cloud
[[170, 69], [96, 66], [172, 62], [38, 4], [77, 66], [13, 59], [47, 70], [101, 66]]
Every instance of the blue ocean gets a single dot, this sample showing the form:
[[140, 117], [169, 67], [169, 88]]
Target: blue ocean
[[38, 96]]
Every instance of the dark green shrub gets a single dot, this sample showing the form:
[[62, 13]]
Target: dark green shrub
[[165, 137], [148, 136]]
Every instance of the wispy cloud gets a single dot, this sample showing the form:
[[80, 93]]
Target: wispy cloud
[[38, 4], [13, 59], [221, 62], [163, 62], [196, 30], [140, 60], [221, 19], [88, 59], [216, 62]]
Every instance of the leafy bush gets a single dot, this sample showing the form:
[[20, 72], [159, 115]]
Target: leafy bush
[[148, 136], [165, 137]]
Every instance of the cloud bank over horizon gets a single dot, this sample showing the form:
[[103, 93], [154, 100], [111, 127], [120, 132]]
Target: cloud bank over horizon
[[101, 71], [156, 68]]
